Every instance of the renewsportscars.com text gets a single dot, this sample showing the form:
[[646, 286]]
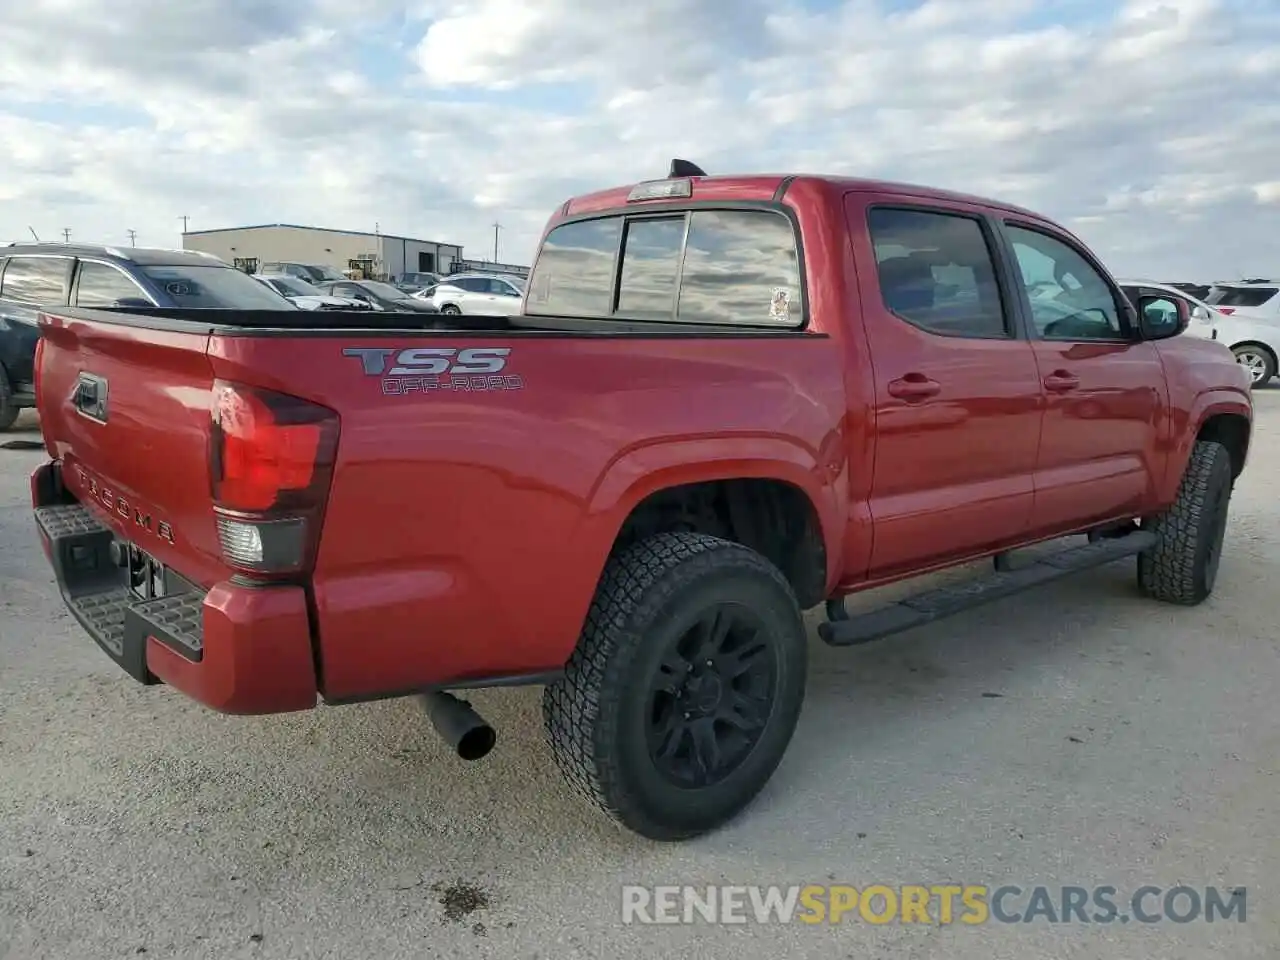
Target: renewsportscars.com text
[[937, 904]]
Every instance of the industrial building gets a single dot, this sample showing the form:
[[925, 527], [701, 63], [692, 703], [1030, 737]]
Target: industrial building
[[377, 255]]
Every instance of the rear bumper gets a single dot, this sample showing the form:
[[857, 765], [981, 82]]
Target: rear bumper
[[236, 649]]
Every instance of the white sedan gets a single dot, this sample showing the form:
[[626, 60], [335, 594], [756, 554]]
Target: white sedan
[[1255, 340]]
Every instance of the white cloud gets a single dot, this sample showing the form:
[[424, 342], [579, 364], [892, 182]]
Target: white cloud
[[1150, 126]]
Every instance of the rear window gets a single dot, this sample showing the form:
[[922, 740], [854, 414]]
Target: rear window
[[39, 281], [1241, 296], [218, 288], [736, 267]]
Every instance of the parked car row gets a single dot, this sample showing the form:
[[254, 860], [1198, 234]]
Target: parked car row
[[1245, 316]]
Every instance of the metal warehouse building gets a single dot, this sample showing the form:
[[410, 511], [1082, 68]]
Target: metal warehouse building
[[376, 254]]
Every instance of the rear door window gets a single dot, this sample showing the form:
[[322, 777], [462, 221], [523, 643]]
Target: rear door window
[[39, 281], [739, 267], [936, 272]]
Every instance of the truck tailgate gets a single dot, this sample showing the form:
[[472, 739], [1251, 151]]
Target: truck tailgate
[[126, 408]]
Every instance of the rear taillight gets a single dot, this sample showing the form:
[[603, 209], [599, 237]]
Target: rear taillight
[[1227, 310], [271, 461]]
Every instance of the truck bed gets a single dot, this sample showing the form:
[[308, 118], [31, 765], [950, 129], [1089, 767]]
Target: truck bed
[[475, 492]]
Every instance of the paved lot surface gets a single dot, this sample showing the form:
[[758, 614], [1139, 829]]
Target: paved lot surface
[[1130, 743]]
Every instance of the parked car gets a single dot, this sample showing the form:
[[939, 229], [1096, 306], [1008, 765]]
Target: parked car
[[377, 295], [415, 282], [781, 390], [478, 294], [1197, 290], [1258, 298], [314, 273], [35, 276], [307, 296]]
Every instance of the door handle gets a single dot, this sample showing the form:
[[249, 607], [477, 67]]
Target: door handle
[[914, 386], [1060, 381]]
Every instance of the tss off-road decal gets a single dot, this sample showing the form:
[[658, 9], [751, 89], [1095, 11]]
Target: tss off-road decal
[[425, 370]]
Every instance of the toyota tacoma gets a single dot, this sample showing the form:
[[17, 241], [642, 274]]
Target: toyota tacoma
[[726, 400]]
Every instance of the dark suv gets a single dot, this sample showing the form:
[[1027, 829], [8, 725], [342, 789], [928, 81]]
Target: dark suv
[[38, 275]]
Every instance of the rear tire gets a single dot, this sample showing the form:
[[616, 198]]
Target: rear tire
[[8, 409], [451, 309], [685, 688], [1183, 566]]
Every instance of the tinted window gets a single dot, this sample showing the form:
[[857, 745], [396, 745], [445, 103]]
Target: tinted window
[[101, 285], [36, 280], [215, 288], [1070, 300], [741, 266], [936, 272], [650, 267], [1241, 296], [574, 273]]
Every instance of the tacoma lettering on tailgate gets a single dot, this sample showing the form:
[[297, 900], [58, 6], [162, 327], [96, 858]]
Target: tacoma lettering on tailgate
[[106, 498], [427, 370]]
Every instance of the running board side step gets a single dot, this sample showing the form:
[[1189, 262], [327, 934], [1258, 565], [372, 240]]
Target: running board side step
[[941, 602]]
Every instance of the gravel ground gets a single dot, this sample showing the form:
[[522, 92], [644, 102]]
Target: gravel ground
[[1076, 735]]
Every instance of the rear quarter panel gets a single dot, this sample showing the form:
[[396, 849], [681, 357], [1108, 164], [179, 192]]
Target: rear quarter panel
[[465, 531]]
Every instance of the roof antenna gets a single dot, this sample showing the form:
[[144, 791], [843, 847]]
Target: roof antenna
[[684, 168]]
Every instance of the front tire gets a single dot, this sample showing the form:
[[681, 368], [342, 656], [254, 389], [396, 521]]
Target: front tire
[[1183, 566], [685, 688], [451, 310]]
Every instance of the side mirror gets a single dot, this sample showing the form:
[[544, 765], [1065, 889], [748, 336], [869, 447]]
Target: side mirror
[[1200, 314], [1163, 317]]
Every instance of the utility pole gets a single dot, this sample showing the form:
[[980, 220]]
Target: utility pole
[[496, 227], [66, 234], [184, 218], [133, 236]]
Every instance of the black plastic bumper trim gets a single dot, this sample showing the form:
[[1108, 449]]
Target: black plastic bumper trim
[[96, 591]]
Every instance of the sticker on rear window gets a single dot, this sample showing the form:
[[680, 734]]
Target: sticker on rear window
[[780, 305]]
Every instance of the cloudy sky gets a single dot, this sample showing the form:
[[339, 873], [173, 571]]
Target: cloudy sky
[[1151, 127]]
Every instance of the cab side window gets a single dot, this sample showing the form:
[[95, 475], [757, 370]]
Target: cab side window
[[937, 273], [1069, 298]]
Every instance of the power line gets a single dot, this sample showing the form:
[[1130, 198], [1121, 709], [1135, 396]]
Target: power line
[[496, 227], [133, 236], [66, 234], [184, 218]]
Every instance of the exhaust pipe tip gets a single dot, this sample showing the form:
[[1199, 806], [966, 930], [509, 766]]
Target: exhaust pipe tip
[[459, 725]]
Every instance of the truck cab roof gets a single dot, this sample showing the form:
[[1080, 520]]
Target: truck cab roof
[[757, 187]]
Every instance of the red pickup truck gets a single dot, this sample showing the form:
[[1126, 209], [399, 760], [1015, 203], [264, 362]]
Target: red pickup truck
[[728, 399]]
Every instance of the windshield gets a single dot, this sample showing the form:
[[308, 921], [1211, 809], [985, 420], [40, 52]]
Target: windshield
[[295, 287], [384, 290], [215, 288], [321, 272], [1241, 296]]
